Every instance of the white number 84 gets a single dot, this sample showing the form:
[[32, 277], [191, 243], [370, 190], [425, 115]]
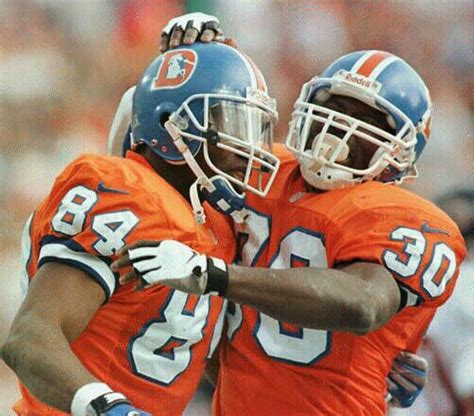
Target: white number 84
[[111, 227]]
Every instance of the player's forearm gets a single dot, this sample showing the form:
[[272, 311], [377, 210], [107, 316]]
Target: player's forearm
[[311, 297], [42, 359]]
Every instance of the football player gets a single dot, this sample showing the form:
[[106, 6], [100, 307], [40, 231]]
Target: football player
[[377, 260], [84, 345], [449, 344]]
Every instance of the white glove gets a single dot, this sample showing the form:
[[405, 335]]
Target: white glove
[[174, 264], [198, 21]]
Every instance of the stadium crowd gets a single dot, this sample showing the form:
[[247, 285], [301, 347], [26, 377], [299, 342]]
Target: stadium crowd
[[64, 66]]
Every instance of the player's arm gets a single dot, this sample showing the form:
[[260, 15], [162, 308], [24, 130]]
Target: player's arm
[[60, 302], [120, 124], [358, 297]]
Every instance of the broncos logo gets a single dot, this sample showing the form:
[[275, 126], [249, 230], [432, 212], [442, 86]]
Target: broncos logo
[[176, 69]]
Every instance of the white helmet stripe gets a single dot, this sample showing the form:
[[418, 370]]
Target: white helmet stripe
[[382, 66]]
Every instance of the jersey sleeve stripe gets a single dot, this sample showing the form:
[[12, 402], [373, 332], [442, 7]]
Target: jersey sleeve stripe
[[408, 296], [92, 265]]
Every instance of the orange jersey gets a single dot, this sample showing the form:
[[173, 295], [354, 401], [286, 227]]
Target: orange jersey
[[150, 345], [270, 367]]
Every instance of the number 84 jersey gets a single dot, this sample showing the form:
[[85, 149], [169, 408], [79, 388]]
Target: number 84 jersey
[[270, 367], [150, 345]]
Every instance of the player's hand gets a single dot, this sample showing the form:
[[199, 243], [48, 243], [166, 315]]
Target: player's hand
[[174, 264], [406, 379], [86, 402], [190, 28]]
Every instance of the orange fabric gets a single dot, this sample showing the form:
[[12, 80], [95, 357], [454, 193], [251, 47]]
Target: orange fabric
[[335, 373], [111, 347]]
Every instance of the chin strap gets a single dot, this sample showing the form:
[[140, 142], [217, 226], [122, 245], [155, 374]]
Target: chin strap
[[237, 211], [217, 190], [202, 180], [198, 209], [240, 216]]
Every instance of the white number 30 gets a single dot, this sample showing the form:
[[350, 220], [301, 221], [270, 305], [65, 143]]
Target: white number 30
[[437, 273]]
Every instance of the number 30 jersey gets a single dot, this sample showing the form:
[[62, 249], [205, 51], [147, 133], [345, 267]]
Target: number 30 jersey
[[150, 345], [274, 368]]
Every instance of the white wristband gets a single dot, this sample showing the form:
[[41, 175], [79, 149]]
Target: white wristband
[[85, 395]]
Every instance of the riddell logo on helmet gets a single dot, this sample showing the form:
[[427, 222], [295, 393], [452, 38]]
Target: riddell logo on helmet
[[359, 80], [176, 69]]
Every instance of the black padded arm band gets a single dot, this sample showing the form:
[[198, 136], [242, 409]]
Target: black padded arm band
[[217, 277]]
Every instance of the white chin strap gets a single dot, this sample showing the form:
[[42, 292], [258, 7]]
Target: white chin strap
[[198, 209], [240, 216], [202, 180]]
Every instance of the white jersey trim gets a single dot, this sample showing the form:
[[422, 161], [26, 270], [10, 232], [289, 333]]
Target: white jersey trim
[[96, 268]]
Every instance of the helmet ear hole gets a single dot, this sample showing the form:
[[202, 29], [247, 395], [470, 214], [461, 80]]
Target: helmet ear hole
[[164, 118], [322, 95]]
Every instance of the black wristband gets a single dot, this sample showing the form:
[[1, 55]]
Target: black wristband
[[217, 277]]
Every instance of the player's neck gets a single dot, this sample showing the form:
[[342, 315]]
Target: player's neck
[[180, 177]]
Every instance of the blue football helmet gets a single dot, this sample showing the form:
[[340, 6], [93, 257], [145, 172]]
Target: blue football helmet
[[205, 95], [382, 81]]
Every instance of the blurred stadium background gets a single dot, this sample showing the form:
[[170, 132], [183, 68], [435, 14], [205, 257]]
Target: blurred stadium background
[[64, 65]]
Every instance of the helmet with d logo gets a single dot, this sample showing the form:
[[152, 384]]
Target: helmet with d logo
[[203, 95]]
